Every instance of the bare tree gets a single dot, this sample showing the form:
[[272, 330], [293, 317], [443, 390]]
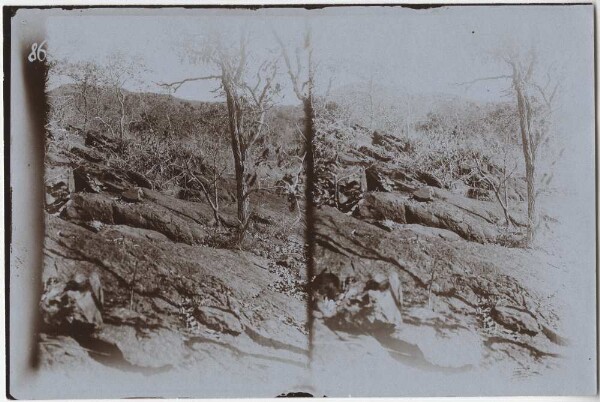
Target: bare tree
[[535, 92], [301, 73], [534, 106], [97, 84], [492, 140], [116, 74], [248, 101], [85, 77]]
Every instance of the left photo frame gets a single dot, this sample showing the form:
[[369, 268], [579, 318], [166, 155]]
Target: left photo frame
[[168, 246]]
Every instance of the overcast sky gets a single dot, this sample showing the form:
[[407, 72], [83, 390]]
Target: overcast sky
[[417, 51]]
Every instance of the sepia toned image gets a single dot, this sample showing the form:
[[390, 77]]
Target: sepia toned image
[[454, 222], [286, 201]]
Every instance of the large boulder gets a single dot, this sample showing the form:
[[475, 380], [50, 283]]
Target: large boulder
[[359, 303], [95, 177], [423, 194], [480, 221], [177, 226], [75, 303], [219, 319], [86, 153], [389, 142], [379, 178], [519, 320], [132, 195], [396, 177], [450, 347]]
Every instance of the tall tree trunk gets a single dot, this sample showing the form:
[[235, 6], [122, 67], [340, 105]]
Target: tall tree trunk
[[239, 158], [243, 202], [529, 160], [531, 211]]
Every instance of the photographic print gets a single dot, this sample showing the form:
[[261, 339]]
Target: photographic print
[[294, 201]]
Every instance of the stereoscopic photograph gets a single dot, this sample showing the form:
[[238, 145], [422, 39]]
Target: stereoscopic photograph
[[268, 201]]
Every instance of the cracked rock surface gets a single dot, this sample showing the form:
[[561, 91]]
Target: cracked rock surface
[[139, 283]]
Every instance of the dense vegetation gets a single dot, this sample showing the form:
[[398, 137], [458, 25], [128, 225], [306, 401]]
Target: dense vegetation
[[475, 149]]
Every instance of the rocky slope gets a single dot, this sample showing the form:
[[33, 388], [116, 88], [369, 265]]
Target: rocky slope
[[410, 275], [138, 281], [428, 277]]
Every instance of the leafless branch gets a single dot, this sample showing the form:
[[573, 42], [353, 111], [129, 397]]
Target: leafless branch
[[294, 77], [469, 84], [177, 84]]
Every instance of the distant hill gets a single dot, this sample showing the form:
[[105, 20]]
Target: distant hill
[[160, 114]]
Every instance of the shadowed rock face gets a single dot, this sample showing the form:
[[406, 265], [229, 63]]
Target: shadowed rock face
[[367, 303], [415, 269], [86, 207], [169, 299], [474, 220], [153, 284], [454, 292], [462, 306]]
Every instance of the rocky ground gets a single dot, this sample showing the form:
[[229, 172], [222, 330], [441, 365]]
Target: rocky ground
[[141, 282], [414, 278], [411, 277]]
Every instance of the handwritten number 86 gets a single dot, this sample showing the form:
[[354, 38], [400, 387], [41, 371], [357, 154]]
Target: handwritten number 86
[[37, 52]]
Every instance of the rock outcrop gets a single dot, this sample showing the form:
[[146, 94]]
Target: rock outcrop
[[141, 281], [480, 221], [152, 283], [161, 287], [457, 287], [359, 303]]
